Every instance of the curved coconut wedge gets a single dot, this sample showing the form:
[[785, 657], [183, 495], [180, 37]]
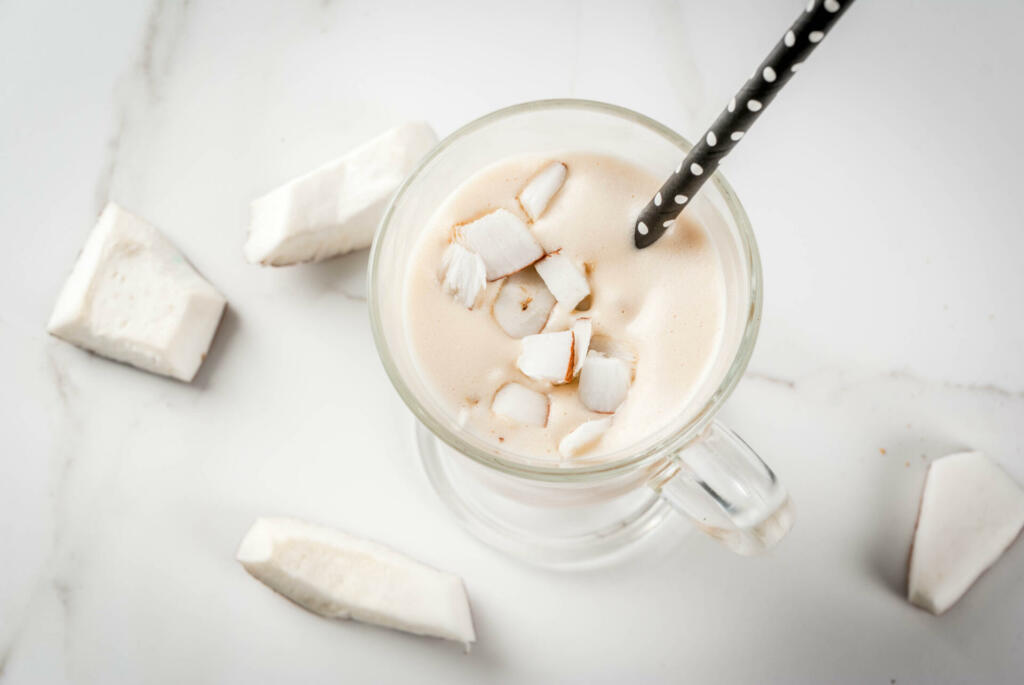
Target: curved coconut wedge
[[604, 382], [535, 197], [583, 437], [523, 304], [335, 208], [463, 275], [134, 298], [566, 282], [548, 357], [582, 329], [518, 403], [340, 576], [504, 242], [971, 511]]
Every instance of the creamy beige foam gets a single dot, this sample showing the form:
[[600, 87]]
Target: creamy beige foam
[[666, 302]]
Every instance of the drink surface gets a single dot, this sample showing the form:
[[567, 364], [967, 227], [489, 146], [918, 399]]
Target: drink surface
[[663, 306]]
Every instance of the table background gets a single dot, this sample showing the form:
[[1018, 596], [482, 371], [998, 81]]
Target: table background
[[884, 187]]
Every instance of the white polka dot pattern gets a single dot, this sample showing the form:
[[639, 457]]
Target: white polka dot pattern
[[738, 116]]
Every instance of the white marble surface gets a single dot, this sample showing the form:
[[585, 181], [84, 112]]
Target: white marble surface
[[884, 186]]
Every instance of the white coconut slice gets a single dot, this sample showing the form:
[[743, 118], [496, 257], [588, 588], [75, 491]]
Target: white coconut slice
[[548, 357], [565, 281], [582, 330], [504, 242], [340, 576], [523, 304], [583, 437], [536, 195], [604, 382], [519, 403], [464, 275], [133, 297], [335, 208], [971, 511]]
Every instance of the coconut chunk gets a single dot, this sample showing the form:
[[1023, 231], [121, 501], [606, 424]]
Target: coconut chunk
[[548, 356], [517, 402], [504, 242], [583, 437], [565, 281], [536, 195], [341, 576], [582, 330], [523, 304], [604, 382], [133, 297], [464, 275], [971, 511], [335, 208]]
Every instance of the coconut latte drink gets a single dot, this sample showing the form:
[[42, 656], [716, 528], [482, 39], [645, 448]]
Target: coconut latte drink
[[538, 323]]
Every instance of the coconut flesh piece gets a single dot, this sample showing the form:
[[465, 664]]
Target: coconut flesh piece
[[566, 282], [536, 195], [971, 512], [604, 382], [503, 240], [523, 304], [582, 329], [583, 437], [335, 208], [517, 402], [341, 576], [548, 357], [134, 298], [464, 275]]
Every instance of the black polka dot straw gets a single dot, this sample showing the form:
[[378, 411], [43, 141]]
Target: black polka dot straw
[[737, 118]]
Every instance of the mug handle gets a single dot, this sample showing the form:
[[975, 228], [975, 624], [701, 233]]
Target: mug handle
[[733, 496]]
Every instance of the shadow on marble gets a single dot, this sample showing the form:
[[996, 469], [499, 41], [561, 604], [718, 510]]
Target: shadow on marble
[[896, 498], [230, 324], [344, 275]]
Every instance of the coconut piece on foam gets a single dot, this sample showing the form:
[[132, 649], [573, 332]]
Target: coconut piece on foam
[[517, 402], [604, 382], [565, 281], [336, 208], [503, 240], [970, 513], [536, 195], [582, 331], [583, 437], [548, 357], [341, 576], [464, 275], [523, 304], [133, 297]]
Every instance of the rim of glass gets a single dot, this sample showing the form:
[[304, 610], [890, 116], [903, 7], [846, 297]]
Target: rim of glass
[[620, 460]]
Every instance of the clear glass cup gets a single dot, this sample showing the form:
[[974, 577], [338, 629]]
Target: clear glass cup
[[584, 510]]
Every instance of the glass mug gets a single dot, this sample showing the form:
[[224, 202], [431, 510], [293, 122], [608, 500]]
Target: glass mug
[[582, 511]]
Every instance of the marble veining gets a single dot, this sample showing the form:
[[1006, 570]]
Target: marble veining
[[890, 337]]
